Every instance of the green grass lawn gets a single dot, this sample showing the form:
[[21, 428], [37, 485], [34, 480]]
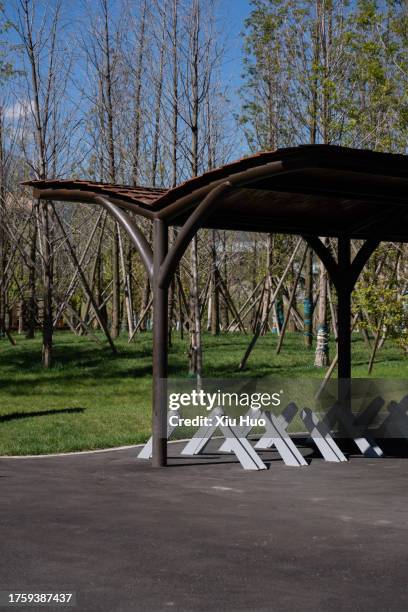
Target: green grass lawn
[[92, 399]]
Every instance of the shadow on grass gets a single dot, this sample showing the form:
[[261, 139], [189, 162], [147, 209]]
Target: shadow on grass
[[85, 371], [12, 416]]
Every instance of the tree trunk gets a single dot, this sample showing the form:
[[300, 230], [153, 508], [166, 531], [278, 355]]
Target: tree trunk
[[195, 347], [215, 300], [138, 94], [115, 319], [32, 295], [308, 300], [195, 341], [224, 311], [322, 341], [3, 241], [47, 286], [146, 289]]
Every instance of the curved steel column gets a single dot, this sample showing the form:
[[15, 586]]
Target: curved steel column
[[134, 233], [164, 264], [188, 231], [160, 346]]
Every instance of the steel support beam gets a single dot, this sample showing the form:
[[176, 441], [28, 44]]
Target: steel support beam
[[343, 274], [160, 347], [344, 288]]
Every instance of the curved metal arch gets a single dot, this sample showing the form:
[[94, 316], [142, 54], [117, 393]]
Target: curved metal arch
[[343, 278], [137, 237], [237, 179], [187, 232], [361, 259], [326, 257]]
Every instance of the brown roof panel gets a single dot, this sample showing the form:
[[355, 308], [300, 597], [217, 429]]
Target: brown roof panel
[[139, 195], [321, 156], [312, 189]]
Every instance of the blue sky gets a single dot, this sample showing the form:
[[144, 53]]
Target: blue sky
[[231, 15], [234, 13]]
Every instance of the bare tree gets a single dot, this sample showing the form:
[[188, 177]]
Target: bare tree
[[43, 63]]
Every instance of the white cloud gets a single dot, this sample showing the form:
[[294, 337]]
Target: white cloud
[[17, 110]]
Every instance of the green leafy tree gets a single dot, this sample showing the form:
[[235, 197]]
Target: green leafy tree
[[387, 312], [6, 67], [376, 107]]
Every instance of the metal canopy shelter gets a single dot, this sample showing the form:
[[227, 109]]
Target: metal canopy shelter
[[310, 190]]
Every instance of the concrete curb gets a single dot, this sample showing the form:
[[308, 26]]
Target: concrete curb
[[102, 450], [85, 452]]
